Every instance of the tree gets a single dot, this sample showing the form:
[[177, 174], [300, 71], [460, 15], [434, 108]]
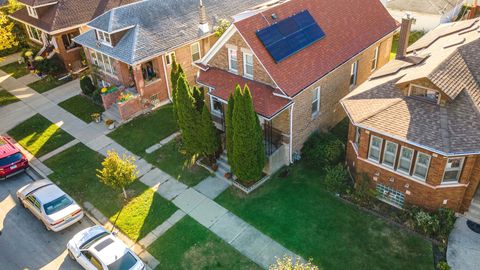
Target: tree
[[287, 264], [87, 86], [209, 138], [118, 172], [221, 27], [7, 36], [229, 128], [248, 146], [199, 97]]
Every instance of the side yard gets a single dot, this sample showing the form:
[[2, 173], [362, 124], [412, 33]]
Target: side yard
[[6, 98], [46, 84], [15, 69], [82, 107]]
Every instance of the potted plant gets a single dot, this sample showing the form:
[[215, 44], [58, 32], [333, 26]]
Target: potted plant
[[215, 167], [228, 175], [110, 124], [96, 117]]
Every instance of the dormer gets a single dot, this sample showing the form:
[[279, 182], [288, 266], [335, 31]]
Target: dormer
[[32, 12], [104, 37], [34, 7], [111, 39]]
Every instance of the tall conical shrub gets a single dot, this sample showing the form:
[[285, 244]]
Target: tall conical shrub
[[188, 118], [199, 97], [209, 137], [229, 128]]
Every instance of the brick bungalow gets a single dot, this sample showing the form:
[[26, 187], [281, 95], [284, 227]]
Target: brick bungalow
[[53, 24], [415, 123], [132, 47], [296, 91]]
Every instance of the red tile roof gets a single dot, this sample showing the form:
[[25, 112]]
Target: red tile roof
[[266, 104], [350, 27]]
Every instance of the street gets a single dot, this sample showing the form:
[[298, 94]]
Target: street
[[24, 241]]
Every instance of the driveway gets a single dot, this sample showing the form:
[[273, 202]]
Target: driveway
[[24, 242], [463, 252]]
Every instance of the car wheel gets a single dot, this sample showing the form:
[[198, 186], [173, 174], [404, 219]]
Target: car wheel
[[70, 254]]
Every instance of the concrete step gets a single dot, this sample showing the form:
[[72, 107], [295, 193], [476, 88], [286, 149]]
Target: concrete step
[[474, 218], [223, 158], [474, 211], [224, 166], [474, 206]]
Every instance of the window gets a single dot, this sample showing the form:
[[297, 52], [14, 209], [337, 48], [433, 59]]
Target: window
[[195, 49], [34, 33], [248, 65], [421, 166], [453, 170], [358, 133], [390, 154], [375, 59], [103, 62], [216, 105], [316, 101], [104, 37], [375, 148], [232, 60], [406, 156], [169, 58], [148, 71], [390, 195], [68, 42], [424, 93], [354, 73], [34, 201], [32, 12]]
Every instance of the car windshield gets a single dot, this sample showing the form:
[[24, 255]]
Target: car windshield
[[57, 205], [126, 262], [10, 159]]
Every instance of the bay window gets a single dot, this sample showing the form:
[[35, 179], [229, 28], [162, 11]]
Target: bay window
[[453, 170], [390, 154], [421, 166], [375, 149], [405, 163]]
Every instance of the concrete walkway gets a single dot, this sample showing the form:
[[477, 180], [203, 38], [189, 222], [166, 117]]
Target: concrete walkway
[[9, 59], [463, 252]]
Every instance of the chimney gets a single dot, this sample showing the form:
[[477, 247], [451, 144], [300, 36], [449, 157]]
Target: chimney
[[203, 25], [407, 22]]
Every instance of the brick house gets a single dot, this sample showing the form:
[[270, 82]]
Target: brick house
[[415, 123], [296, 91], [53, 24], [132, 47]]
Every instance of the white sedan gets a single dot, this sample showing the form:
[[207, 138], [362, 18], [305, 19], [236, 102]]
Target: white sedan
[[96, 248], [50, 205]]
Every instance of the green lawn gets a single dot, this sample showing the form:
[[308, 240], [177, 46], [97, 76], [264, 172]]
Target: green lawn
[[170, 160], [6, 98], [46, 84], [188, 245], [39, 136], [145, 131], [15, 69], [414, 36], [298, 213], [82, 107], [75, 172]]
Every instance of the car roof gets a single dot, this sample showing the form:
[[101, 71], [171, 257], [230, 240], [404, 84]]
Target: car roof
[[48, 193], [6, 147], [109, 249]]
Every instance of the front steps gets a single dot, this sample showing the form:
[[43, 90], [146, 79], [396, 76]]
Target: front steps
[[473, 213], [223, 167]]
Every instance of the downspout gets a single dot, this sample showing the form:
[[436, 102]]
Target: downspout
[[166, 78], [291, 133]]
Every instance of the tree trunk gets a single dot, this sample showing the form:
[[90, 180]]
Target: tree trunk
[[124, 193]]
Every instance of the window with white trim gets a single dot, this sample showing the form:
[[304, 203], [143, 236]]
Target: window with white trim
[[32, 12], [103, 62], [390, 154], [354, 74], [315, 101], [358, 134], [232, 60], [375, 59], [421, 166], [169, 58], [424, 93], [34, 33], [453, 170], [375, 148], [195, 50], [405, 161], [390, 195], [216, 106], [104, 37], [248, 65]]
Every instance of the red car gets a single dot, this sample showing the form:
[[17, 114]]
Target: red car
[[12, 161]]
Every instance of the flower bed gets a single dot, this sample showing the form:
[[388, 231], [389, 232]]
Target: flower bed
[[109, 97]]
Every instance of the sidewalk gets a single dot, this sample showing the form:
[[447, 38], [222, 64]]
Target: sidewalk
[[9, 59]]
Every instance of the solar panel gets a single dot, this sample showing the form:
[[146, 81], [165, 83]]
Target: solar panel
[[290, 35]]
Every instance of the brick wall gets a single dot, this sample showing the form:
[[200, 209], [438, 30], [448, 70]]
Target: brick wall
[[157, 87], [71, 58], [109, 99], [130, 108]]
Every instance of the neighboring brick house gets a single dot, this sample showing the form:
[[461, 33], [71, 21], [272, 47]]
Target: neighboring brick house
[[335, 45], [133, 46], [415, 124], [53, 24]]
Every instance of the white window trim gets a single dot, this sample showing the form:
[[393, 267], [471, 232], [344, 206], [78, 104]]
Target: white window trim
[[354, 72], [30, 34], [394, 154], [427, 166], [212, 107], [318, 92], [375, 58], [401, 171], [32, 12], [379, 149], [230, 50], [101, 36], [358, 135], [101, 57], [249, 76], [196, 44], [423, 87], [171, 56], [460, 171]]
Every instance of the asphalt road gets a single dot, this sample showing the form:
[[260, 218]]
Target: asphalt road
[[24, 241]]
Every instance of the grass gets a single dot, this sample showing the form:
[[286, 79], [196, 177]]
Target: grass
[[145, 131], [39, 136], [7, 98], [169, 158], [188, 245], [82, 107], [414, 36], [46, 84], [15, 69], [75, 172], [298, 213]]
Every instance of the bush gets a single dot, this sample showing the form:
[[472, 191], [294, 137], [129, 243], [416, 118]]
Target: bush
[[336, 179], [322, 149], [443, 266], [447, 221], [436, 224], [97, 97], [363, 193], [87, 86], [428, 223], [53, 66]]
